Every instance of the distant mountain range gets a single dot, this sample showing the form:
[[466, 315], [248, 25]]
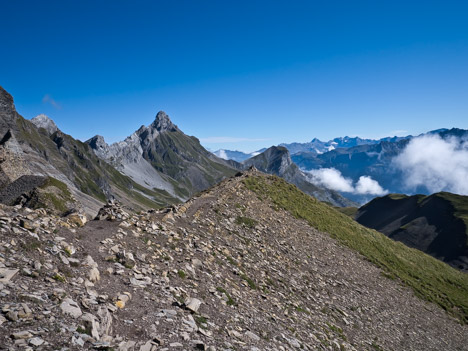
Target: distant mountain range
[[319, 147], [361, 169], [155, 166], [237, 156]]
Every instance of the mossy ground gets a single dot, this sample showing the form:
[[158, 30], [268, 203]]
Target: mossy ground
[[430, 278]]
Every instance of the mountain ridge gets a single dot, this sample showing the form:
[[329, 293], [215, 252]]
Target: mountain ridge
[[436, 224]]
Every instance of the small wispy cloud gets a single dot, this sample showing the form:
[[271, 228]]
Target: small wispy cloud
[[224, 139], [47, 99]]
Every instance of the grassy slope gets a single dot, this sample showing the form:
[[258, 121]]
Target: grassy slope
[[430, 279]]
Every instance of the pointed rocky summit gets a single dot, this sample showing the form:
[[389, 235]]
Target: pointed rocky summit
[[42, 121], [163, 123]]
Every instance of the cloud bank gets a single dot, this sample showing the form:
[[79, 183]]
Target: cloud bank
[[435, 163], [333, 179]]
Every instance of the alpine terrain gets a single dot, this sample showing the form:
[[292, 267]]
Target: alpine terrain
[[250, 264]]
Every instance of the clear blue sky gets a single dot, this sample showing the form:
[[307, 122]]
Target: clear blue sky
[[244, 73]]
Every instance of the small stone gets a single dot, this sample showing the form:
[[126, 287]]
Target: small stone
[[94, 275], [192, 304], [36, 341], [12, 316], [146, 347], [252, 336], [70, 307], [22, 335], [7, 274]]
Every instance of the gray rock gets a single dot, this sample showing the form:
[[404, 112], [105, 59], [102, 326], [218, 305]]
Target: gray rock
[[36, 341], [71, 308], [7, 274], [91, 324], [25, 334], [193, 304], [252, 336]]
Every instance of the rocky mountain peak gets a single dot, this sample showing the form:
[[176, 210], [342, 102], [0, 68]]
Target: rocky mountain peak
[[6, 101], [7, 112], [163, 122], [97, 142], [42, 121], [99, 146]]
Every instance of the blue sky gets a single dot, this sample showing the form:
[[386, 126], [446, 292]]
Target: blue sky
[[239, 75]]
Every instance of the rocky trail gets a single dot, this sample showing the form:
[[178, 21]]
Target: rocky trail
[[224, 271]]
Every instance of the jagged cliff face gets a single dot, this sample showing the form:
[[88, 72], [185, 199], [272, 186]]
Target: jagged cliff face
[[164, 157], [277, 160], [7, 112], [46, 151]]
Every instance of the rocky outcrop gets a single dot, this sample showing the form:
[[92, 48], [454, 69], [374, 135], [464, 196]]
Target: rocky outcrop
[[12, 162]]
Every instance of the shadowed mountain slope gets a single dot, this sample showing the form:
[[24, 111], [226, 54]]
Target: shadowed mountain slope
[[436, 224]]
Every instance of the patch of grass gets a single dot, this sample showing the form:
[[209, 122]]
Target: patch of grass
[[200, 320], [83, 330], [349, 211], [249, 281], [59, 278], [248, 222], [181, 274], [31, 245], [431, 279], [230, 301], [231, 260]]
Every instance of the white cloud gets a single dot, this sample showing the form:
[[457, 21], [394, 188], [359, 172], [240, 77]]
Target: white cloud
[[222, 154], [435, 163], [47, 99], [333, 179], [367, 185], [222, 139]]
